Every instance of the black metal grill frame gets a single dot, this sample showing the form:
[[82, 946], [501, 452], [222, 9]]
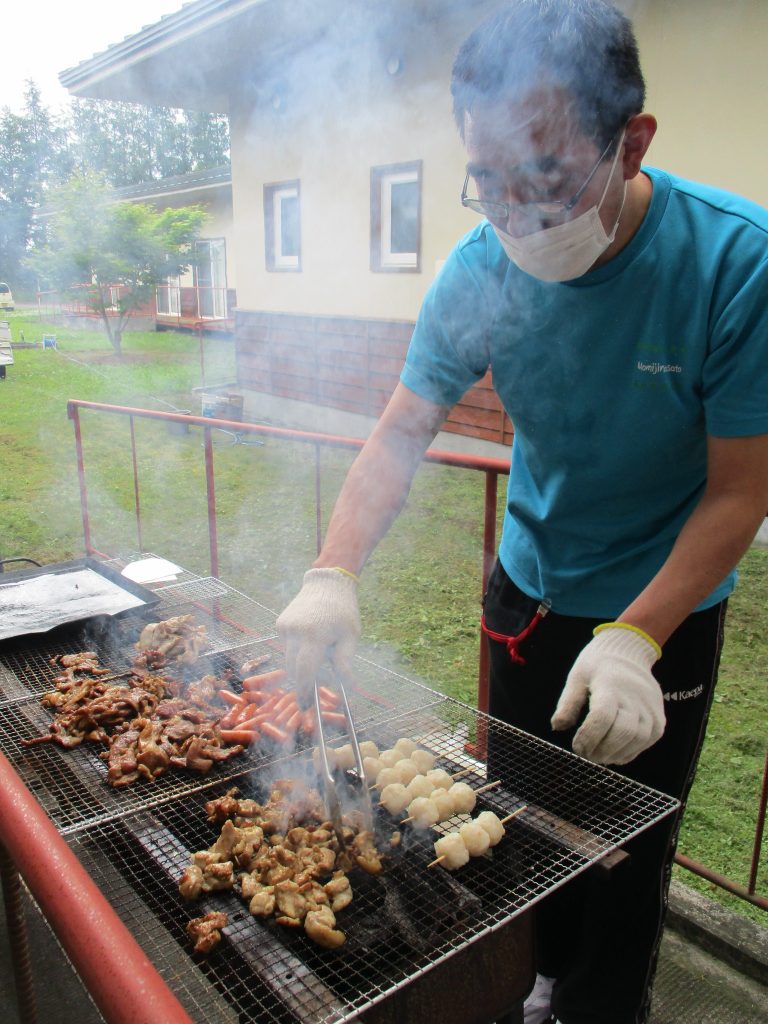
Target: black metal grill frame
[[136, 841]]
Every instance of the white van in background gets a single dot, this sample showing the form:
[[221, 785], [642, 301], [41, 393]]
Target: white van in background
[[6, 296]]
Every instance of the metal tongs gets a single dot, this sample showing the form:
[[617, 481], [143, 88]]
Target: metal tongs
[[332, 803]]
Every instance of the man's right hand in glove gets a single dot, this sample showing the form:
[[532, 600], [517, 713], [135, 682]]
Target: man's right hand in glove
[[321, 623]]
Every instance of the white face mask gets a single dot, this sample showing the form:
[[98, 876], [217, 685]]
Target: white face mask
[[567, 250]]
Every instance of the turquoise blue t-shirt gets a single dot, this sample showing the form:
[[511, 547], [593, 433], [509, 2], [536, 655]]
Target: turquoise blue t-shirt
[[613, 382]]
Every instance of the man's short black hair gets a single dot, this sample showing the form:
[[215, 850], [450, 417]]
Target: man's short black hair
[[586, 46]]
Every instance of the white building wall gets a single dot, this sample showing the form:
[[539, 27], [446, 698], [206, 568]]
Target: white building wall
[[707, 83]]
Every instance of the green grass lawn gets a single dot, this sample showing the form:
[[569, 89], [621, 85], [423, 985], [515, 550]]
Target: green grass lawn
[[420, 594]]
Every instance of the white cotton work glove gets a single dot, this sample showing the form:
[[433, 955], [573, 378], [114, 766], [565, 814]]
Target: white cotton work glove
[[321, 622], [626, 705]]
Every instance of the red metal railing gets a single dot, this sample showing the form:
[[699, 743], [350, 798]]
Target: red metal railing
[[171, 305], [491, 468], [117, 973]]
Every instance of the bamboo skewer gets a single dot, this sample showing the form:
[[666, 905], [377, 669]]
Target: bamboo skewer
[[514, 814], [509, 817], [487, 786]]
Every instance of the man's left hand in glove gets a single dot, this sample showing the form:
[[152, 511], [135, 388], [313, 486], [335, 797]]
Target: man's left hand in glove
[[626, 705]]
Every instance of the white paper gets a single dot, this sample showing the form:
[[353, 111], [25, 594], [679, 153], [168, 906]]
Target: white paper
[[38, 604], [151, 570]]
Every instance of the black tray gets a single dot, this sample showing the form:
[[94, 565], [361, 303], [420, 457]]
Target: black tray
[[147, 597]]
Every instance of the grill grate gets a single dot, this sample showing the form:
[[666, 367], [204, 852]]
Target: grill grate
[[136, 841]]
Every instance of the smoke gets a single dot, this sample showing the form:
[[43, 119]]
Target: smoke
[[321, 93]]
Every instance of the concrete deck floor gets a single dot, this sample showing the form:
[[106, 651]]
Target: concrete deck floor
[[694, 985]]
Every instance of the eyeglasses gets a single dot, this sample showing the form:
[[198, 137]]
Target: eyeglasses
[[549, 207]]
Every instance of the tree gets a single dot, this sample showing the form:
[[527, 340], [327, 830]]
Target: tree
[[207, 139], [97, 247], [32, 158], [131, 144]]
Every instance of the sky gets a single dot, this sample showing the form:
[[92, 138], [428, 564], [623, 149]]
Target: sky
[[42, 38]]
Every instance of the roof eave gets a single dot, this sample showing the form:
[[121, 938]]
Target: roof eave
[[91, 78]]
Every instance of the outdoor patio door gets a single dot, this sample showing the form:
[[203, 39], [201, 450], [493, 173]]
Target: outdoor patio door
[[211, 279], [168, 297]]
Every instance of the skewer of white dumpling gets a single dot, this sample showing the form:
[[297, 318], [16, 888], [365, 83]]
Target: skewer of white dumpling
[[396, 796], [471, 839], [401, 764], [439, 805], [460, 798]]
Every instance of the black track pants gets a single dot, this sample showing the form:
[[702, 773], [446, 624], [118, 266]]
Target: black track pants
[[599, 936]]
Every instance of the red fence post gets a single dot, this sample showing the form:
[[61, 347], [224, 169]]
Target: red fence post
[[489, 554], [74, 415], [213, 541], [136, 502], [759, 829]]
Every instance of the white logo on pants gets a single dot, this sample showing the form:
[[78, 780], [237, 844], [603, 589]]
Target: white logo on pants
[[685, 694]]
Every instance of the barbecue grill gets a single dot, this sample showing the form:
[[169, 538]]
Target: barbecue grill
[[420, 942]]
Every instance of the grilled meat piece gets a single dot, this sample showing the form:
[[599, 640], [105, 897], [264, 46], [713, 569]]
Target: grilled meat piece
[[339, 890], [223, 807], [170, 707], [70, 693], [180, 728], [290, 903], [84, 661], [206, 875], [199, 752], [176, 638], [121, 758], [150, 659], [152, 753], [203, 692], [119, 704], [320, 926], [205, 931], [250, 666], [191, 882], [218, 876], [158, 685], [262, 903], [365, 853], [238, 844]]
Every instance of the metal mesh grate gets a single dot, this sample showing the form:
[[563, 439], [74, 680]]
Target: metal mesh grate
[[136, 841], [398, 923], [71, 785]]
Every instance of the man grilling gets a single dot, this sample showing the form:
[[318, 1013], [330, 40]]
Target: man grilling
[[624, 314]]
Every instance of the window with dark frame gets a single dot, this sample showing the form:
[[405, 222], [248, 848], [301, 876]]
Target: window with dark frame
[[396, 217], [282, 226]]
